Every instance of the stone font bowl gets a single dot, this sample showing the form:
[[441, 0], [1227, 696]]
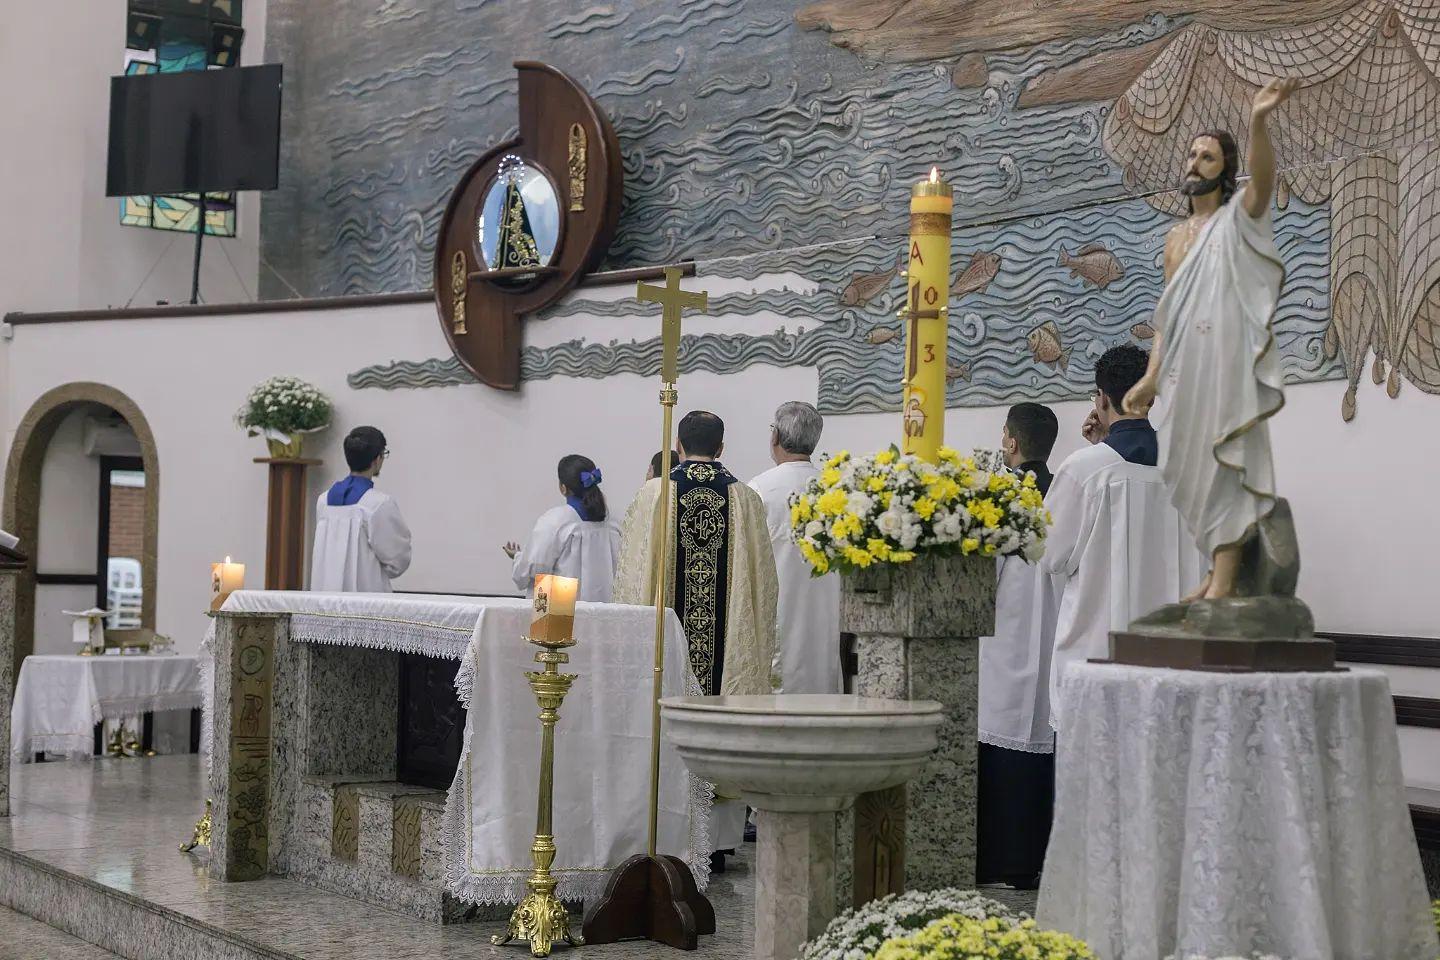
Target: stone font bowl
[[802, 751]]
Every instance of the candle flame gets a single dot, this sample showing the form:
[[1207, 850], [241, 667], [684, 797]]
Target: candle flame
[[227, 559], [934, 174]]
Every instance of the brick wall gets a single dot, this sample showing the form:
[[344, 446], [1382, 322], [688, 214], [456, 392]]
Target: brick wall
[[127, 521]]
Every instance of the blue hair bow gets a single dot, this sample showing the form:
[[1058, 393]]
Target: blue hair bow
[[590, 478]]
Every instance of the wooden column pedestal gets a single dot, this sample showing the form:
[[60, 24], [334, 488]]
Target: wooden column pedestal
[[285, 523]]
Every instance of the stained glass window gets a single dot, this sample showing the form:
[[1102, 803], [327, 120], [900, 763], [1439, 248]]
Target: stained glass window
[[167, 36]]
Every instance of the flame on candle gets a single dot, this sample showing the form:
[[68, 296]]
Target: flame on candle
[[934, 174], [227, 559]]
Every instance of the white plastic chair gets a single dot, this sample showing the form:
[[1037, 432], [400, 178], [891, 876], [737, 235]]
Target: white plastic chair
[[123, 593]]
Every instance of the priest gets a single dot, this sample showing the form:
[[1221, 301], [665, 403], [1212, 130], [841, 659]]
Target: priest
[[1017, 747], [722, 586], [361, 540], [808, 614]]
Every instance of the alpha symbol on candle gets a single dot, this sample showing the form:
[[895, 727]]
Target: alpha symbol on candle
[[915, 253]]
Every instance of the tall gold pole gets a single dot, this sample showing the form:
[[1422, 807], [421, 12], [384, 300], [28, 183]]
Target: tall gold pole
[[541, 919], [668, 396]]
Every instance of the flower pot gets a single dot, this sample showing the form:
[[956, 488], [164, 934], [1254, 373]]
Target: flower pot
[[285, 446]]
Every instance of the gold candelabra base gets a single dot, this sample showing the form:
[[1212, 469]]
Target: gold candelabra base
[[541, 919], [123, 745], [201, 836]]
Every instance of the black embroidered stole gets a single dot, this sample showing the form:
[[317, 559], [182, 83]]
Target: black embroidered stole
[[702, 564]]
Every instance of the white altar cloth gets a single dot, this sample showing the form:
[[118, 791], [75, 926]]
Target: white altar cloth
[[1218, 813], [602, 741], [60, 698]]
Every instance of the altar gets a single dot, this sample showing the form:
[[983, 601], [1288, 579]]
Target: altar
[[304, 731]]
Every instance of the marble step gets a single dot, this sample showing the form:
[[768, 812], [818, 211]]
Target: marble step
[[377, 841], [22, 937], [108, 919]]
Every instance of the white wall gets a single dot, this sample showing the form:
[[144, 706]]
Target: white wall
[[472, 466], [61, 243]]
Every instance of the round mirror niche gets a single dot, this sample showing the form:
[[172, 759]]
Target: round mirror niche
[[518, 226]]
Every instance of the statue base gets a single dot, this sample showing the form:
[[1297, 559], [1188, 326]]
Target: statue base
[[1240, 633]]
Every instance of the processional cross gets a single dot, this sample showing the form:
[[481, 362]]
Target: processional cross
[[651, 896]]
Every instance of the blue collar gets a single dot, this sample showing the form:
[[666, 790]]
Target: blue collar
[[1135, 441], [347, 492], [578, 506]]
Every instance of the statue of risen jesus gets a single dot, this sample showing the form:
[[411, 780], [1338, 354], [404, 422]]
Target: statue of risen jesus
[[1213, 363]]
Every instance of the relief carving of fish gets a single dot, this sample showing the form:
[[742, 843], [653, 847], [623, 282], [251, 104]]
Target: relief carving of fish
[[1094, 264], [864, 287], [978, 273], [957, 371], [1045, 346], [881, 335], [1142, 331]]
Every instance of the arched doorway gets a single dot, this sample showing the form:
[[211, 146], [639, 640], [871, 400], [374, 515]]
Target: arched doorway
[[22, 514]]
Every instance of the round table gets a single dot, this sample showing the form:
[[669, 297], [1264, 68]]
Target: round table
[[1218, 813]]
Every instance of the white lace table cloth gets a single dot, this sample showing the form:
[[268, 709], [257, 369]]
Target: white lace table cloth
[[1215, 814], [59, 699], [602, 741]]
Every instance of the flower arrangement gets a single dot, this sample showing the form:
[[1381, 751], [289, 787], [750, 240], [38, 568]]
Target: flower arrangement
[[891, 507], [857, 934], [282, 407], [958, 937]]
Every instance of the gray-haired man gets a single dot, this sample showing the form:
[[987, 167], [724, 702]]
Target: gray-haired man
[[808, 617]]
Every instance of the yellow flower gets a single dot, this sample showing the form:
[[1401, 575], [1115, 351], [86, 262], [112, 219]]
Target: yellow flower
[[878, 548], [1029, 480], [1001, 481], [838, 459], [988, 550], [948, 455], [800, 512], [902, 556], [885, 499], [829, 477], [928, 477], [847, 526], [969, 545], [925, 507], [1030, 497], [859, 557], [902, 466], [944, 490], [875, 484], [987, 512], [885, 457], [831, 503]]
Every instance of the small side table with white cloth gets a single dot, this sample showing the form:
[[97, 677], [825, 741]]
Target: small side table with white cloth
[[60, 698], [1217, 813]]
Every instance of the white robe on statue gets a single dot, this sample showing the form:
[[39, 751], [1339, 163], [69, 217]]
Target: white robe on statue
[[1121, 548], [359, 548], [807, 618], [563, 544], [1220, 377], [1015, 663]]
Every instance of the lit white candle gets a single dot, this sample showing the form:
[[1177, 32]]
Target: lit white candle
[[225, 579], [554, 617]]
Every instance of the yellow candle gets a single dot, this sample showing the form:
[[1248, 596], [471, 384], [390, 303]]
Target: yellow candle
[[554, 617], [225, 579], [927, 317]]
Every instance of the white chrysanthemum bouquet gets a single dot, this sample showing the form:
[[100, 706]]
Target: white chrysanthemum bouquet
[[891, 507], [284, 405]]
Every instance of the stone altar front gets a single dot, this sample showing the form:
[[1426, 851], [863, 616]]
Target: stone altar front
[[304, 772]]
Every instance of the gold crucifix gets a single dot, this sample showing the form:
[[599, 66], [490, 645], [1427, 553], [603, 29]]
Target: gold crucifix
[[672, 300]]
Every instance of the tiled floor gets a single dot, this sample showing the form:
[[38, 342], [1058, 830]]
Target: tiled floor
[[24, 939], [118, 824]]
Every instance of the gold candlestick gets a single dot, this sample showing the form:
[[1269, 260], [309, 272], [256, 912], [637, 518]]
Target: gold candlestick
[[541, 919]]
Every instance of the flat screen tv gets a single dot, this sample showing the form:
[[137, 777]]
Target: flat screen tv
[[193, 131]]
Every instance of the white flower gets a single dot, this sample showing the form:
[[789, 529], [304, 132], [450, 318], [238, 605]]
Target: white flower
[[860, 503], [891, 522], [813, 529]]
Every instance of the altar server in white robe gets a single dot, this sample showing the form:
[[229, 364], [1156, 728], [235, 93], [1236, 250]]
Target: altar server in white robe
[[807, 617], [1016, 775], [1116, 540], [361, 540], [576, 539]]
